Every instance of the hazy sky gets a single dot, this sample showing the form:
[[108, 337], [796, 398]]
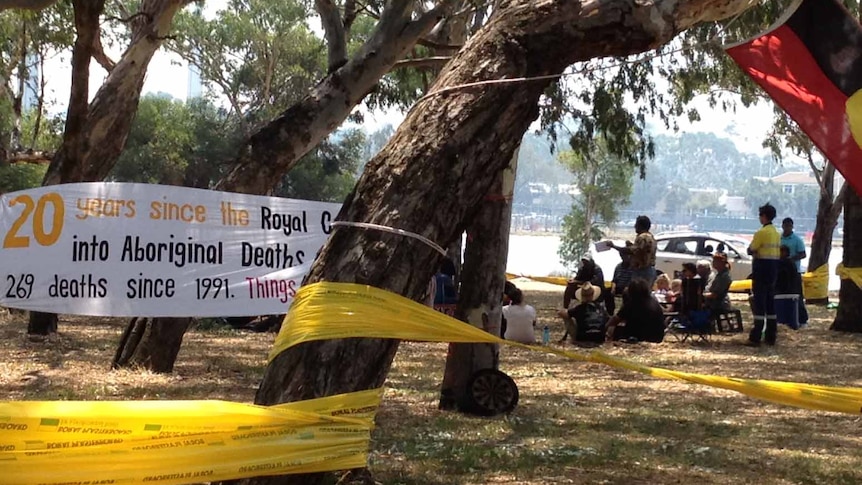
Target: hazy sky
[[168, 73]]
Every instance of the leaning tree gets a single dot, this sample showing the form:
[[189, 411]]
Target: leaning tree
[[431, 176]]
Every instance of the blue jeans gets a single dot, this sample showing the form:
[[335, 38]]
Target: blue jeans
[[647, 274]]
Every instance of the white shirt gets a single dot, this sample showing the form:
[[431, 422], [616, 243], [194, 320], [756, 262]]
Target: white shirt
[[519, 323]]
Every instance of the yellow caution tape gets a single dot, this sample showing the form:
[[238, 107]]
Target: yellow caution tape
[[175, 442], [815, 284], [854, 274], [329, 310], [554, 280]]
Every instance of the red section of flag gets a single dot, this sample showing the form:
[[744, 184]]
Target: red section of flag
[[781, 63]]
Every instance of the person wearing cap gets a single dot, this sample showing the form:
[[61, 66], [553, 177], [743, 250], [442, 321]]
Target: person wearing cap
[[715, 298], [586, 321], [765, 248], [642, 251]]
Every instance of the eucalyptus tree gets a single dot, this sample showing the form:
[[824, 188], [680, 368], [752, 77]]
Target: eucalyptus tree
[[444, 158], [604, 184], [96, 130]]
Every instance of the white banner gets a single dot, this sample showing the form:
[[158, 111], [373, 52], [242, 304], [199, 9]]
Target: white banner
[[118, 249]]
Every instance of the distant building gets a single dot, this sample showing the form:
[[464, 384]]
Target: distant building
[[195, 87], [790, 182], [734, 205]]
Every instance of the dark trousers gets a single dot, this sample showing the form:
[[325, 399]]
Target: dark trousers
[[763, 276]]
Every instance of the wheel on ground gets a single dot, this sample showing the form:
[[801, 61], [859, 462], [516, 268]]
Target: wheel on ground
[[491, 392]]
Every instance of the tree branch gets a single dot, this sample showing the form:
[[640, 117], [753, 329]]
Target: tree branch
[[838, 205], [26, 4], [99, 54], [422, 62], [30, 156], [435, 45], [333, 32]]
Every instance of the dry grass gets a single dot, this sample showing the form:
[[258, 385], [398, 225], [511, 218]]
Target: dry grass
[[576, 423]]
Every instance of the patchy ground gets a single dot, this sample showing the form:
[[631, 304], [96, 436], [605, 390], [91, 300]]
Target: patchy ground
[[576, 422]]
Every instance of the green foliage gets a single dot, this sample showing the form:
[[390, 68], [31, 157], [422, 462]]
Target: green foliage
[[177, 143], [261, 55], [329, 172], [705, 202], [27, 38], [190, 144], [800, 204], [604, 182], [20, 176], [374, 142], [697, 161]]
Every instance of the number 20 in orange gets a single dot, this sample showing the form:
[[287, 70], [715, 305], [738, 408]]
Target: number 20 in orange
[[45, 237]]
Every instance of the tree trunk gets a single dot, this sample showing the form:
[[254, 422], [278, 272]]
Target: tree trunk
[[96, 132], [482, 280], [274, 149], [431, 176], [828, 210], [87, 13], [849, 315]]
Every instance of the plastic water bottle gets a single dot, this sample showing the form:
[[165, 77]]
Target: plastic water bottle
[[546, 335]]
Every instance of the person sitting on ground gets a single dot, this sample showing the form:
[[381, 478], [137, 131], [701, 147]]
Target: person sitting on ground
[[715, 298], [623, 271], [508, 290], [641, 317], [586, 321], [520, 320], [789, 282]]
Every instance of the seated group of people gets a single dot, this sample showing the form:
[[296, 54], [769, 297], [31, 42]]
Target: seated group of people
[[642, 316]]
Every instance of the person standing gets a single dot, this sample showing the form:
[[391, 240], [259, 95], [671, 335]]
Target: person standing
[[793, 242], [642, 251], [796, 246], [765, 248]]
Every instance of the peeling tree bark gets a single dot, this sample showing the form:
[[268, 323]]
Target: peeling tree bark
[[104, 124], [96, 132], [482, 279], [87, 13], [431, 176]]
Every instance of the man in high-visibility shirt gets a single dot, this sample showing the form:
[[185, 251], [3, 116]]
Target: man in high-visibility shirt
[[765, 248]]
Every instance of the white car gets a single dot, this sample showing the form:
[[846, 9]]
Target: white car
[[675, 248]]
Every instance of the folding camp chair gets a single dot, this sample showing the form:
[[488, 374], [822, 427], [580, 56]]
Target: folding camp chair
[[696, 325]]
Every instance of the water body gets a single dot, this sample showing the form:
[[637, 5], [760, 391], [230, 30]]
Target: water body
[[537, 255]]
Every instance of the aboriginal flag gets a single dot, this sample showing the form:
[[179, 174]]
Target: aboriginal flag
[[811, 66]]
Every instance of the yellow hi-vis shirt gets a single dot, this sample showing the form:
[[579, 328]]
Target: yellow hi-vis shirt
[[766, 243]]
